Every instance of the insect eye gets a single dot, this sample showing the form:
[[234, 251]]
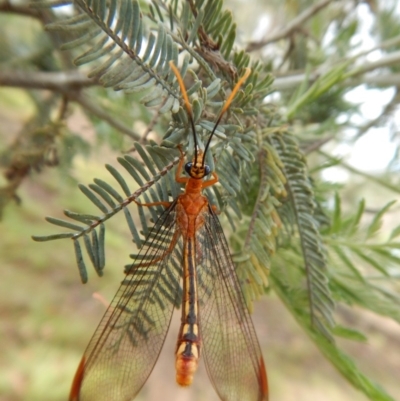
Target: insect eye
[[188, 167], [207, 170]]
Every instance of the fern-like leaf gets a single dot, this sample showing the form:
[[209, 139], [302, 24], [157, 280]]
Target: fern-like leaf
[[301, 201], [111, 201], [114, 35]]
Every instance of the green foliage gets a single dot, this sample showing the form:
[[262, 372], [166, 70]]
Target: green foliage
[[307, 94], [362, 264], [359, 273], [302, 217], [344, 364], [120, 67], [281, 235], [118, 63]]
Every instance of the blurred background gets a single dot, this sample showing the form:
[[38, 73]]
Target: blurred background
[[47, 316]]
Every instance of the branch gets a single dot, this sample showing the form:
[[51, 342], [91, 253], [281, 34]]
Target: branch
[[316, 145], [103, 115], [390, 59], [378, 80], [355, 75], [45, 16], [386, 112], [370, 177], [55, 81], [68, 83], [292, 81], [291, 27], [20, 9]]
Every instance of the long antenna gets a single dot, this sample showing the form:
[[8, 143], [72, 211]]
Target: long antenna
[[187, 103], [226, 106], [222, 112]]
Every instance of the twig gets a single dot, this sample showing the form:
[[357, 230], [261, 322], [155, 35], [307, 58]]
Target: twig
[[103, 115], [68, 83], [7, 7], [392, 42], [290, 82], [387, 110], [150, 126], [291, 27], [355, 76], [377, 180], [378, 80], [389, 59], [316, 145], [57, 81], [45, 16], [152, 123]]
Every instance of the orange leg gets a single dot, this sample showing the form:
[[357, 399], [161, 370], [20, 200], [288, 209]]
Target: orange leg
[[178, 174], [213, 181], [166, 204], [160, 203]]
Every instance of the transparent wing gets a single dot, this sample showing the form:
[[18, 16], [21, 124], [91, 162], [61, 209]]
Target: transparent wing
[[231, 350], [129, 338]]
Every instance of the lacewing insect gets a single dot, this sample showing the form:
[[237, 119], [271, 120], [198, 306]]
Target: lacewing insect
[[184, 261]]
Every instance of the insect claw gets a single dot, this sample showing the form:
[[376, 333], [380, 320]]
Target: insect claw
[[179, 146]]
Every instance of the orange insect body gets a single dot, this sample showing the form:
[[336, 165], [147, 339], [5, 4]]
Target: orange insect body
[[127, 342], [191, 206]]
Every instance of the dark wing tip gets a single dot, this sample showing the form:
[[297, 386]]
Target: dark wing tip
[[263, 381], [77, 382]]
